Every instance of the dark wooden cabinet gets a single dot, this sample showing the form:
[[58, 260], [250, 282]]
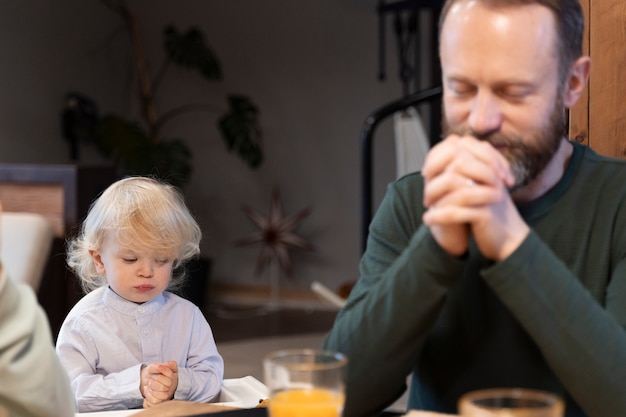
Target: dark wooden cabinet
[[63, 194]]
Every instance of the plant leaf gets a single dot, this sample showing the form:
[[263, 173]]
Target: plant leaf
[[240, 130], [134, 153], [115, 137], [170, 160], [190, 50]]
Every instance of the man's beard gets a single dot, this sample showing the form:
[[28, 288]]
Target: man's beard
[[528, 155]]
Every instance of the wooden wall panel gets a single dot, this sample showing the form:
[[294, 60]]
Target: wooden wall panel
[[607, 99], [579, 114]]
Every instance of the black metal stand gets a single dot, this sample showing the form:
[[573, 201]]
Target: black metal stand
[[405, 28], [367, 136], [404, 15]]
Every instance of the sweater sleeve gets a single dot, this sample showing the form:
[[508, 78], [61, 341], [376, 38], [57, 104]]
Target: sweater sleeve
[[32, 381], [583, 341], [403, 273]]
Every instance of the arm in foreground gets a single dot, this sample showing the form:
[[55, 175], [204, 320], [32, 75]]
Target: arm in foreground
[[32, 380]]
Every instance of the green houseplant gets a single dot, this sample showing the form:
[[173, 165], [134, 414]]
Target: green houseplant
[[139, 146]]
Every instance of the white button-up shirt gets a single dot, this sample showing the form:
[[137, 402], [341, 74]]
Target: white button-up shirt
[[105, 339]]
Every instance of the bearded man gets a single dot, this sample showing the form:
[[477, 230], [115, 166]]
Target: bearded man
[[503, 263]]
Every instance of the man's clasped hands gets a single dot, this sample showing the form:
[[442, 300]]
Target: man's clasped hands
[[466, 193]]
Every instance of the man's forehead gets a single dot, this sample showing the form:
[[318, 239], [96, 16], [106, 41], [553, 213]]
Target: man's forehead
[[462, 9], [470, 17], [505, 45]]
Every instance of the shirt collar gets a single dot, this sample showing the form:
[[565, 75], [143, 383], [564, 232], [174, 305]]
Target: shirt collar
[[122, 305]]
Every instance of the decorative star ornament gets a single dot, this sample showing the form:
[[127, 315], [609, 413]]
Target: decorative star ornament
[[276, 235]]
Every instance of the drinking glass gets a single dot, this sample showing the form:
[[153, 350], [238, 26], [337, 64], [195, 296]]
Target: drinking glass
[[510, 402], [305, 383]]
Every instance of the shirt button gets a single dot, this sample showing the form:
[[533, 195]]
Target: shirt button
[[141, 310], [145, 332]]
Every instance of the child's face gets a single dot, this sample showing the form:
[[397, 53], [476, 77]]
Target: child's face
[[135, 275]]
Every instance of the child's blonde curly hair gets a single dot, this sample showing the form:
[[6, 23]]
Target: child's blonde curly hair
[[142, 213]]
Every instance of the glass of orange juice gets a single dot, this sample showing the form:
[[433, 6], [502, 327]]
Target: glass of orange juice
[[305, 383], [510, 402]]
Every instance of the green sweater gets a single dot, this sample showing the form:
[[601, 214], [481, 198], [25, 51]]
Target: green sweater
[[551, 316]]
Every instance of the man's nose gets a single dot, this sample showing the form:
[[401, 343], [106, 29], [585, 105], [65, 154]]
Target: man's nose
[[486, 114]]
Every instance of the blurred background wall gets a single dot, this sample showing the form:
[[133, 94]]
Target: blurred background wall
[[310, 66]]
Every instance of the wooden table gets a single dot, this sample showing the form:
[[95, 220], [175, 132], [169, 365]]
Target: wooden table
[[185, 408], [172, 408]]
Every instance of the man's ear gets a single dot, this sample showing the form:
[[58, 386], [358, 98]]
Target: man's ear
[[576, 81], [97, 261]]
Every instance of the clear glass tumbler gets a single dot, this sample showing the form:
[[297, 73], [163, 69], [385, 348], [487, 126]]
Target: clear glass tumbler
[[305, 383], [510, 402]]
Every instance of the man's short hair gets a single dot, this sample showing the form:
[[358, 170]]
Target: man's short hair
[[569, 19]]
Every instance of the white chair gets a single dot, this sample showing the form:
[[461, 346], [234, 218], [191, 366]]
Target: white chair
[[25, 242]]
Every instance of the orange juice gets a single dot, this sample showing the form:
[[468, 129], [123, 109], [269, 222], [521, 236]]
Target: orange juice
[[314, 402]]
